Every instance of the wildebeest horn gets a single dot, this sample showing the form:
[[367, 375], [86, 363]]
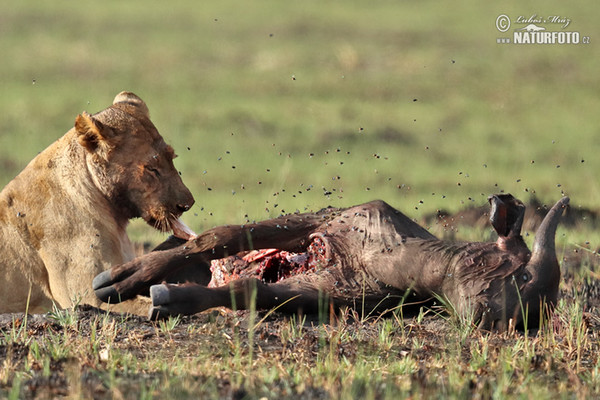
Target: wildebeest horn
[[543, 246]]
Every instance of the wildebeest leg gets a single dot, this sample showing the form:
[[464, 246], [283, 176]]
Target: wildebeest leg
[[125, 281], [306, 293], [170, 243], [119, 284], [192, 298], [188, 273]]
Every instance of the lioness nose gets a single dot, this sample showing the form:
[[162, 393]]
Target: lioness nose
[[184, 201], [183, 207]]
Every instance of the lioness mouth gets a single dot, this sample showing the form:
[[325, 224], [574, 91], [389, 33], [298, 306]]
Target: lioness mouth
[[172, 223]]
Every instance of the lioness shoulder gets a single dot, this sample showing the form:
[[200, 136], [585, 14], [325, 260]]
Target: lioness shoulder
[[63, 219]]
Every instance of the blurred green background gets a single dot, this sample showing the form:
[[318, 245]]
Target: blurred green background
[[278, 106]]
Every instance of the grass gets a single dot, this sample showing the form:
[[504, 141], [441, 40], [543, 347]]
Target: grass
[[286, 106], [218, 354], [432, 112]]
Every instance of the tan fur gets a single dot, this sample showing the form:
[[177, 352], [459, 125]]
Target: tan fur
[[63, 219]]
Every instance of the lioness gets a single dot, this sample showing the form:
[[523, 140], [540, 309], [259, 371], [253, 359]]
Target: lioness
[[63, 218]]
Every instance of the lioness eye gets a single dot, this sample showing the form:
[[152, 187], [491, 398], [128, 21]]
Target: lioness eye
[[525, 277], [154, 171]]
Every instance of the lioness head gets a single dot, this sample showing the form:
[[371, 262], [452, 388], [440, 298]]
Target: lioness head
[[130, 163]]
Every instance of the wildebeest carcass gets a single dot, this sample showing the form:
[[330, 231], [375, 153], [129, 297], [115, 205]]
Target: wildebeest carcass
[[366, 256]]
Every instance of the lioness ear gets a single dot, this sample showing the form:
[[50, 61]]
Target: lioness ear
[[132, 100], [91, 132]]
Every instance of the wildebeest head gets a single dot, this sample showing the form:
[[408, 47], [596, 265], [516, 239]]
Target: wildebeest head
[[516, 287]]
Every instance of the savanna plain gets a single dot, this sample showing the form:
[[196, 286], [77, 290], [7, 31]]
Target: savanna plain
[[276, 107]]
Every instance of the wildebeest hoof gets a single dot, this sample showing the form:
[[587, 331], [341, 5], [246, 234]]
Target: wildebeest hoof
[[158, 313], [108, 294], [160, 298], [101, 280], [160, 295], [105, 291]]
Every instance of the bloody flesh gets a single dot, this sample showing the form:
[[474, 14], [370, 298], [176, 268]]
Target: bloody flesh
[[269, 265]]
